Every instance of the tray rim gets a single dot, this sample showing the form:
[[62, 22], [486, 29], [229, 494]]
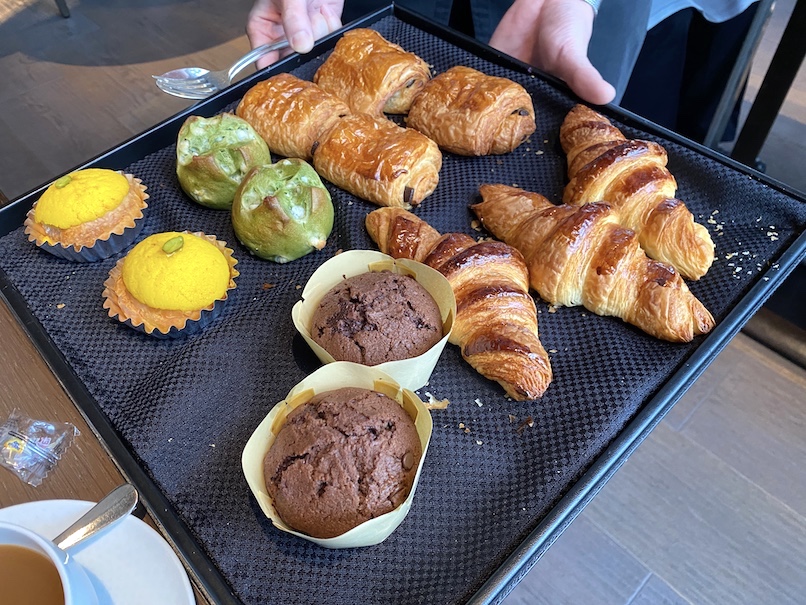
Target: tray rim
[[203, 572]]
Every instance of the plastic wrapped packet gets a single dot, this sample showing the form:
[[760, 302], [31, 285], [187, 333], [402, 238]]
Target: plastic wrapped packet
[[31, 448]]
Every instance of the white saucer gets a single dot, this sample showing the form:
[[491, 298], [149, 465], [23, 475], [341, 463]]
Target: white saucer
[[128, 564]]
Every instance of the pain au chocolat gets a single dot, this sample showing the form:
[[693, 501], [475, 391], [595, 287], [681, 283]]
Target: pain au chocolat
[[371, 74], [290, 114], [468, 112], [379, 161]]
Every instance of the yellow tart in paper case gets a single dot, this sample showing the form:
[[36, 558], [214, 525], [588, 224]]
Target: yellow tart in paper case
[[171, 283], [88, 215]]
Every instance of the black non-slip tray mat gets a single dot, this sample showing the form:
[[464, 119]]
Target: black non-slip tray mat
[[495, 467]]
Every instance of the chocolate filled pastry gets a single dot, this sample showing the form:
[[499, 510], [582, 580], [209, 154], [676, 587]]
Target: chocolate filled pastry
[[372, 74], [379, 161], [468, 112], [290, 114]]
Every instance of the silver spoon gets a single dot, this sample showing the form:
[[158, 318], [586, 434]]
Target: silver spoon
[[114, 507], [199, 83]]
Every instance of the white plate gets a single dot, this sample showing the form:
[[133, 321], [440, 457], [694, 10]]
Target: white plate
[[129, 564]]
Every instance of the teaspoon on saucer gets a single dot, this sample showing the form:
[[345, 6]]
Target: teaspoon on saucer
[[116, 505]]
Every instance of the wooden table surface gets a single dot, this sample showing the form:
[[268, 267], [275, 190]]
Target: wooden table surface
[[86, 471]]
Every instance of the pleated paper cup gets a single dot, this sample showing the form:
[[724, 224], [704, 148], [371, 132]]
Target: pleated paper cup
[[412, 373], [98, 239], [161, 323], [334, 376]]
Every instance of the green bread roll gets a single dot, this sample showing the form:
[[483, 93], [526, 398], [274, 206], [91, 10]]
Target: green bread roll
[[282, 211], [213, 155]]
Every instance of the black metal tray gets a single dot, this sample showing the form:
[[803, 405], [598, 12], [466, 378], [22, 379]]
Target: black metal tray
[[175, 414]]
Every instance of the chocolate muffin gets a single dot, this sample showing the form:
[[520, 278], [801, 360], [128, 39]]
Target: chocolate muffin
[[377, 317], [344, 457]]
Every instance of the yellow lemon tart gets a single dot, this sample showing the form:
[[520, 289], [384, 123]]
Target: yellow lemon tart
[[171, 283], [88, 215]]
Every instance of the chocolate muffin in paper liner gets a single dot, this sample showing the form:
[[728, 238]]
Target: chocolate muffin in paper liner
[[88, 215], [411, 372], [344, 457], [377, 317]]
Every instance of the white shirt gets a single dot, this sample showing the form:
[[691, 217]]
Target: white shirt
[[715, 11]]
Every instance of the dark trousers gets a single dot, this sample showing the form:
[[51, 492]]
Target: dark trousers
[[477, 18], [682, 70]]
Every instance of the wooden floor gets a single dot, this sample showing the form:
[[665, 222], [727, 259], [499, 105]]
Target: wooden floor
[[710, 509], [712, 506]]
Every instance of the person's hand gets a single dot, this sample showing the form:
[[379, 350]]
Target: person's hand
[[553, 35], [301, 21]]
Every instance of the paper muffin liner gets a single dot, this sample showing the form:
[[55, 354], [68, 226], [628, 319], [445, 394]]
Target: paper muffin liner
[[333, 376], [162, 323], [111, 233], [412, 373]]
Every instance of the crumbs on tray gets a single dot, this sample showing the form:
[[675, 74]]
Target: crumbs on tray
[[435, 404]]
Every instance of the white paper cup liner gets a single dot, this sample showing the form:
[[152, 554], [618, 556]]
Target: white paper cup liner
[[333, 376], [412, 373]]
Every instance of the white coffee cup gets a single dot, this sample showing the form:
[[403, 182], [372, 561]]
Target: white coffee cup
[[77, 587]]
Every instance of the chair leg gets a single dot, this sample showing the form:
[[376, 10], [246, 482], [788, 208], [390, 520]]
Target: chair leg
[[741, 70], [63, 8]]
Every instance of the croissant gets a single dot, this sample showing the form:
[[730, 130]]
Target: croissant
[[468, 112], [496, 318], [631, 176], [581, 255], [379, 161], [372, 74], [290, 114]]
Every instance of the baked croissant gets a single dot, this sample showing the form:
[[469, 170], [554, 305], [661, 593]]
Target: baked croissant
[[372, 74], [379, 161], [631, 176], [581, 255], [496, 318], [290, 114], [468, 112]]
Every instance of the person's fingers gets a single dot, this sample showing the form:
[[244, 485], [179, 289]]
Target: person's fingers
[[264, 26], [332, 19], [319, 26], [269, 59], [589, 84], [259, 24], [297, 25]]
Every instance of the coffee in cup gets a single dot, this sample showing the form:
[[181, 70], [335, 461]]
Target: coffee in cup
[[34, 571], [28, 576]]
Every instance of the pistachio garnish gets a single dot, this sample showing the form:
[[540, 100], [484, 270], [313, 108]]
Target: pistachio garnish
[[63, 182], [173, 245]]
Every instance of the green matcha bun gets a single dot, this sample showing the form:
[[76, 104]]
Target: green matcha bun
[[213, 155], [282, 211]]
